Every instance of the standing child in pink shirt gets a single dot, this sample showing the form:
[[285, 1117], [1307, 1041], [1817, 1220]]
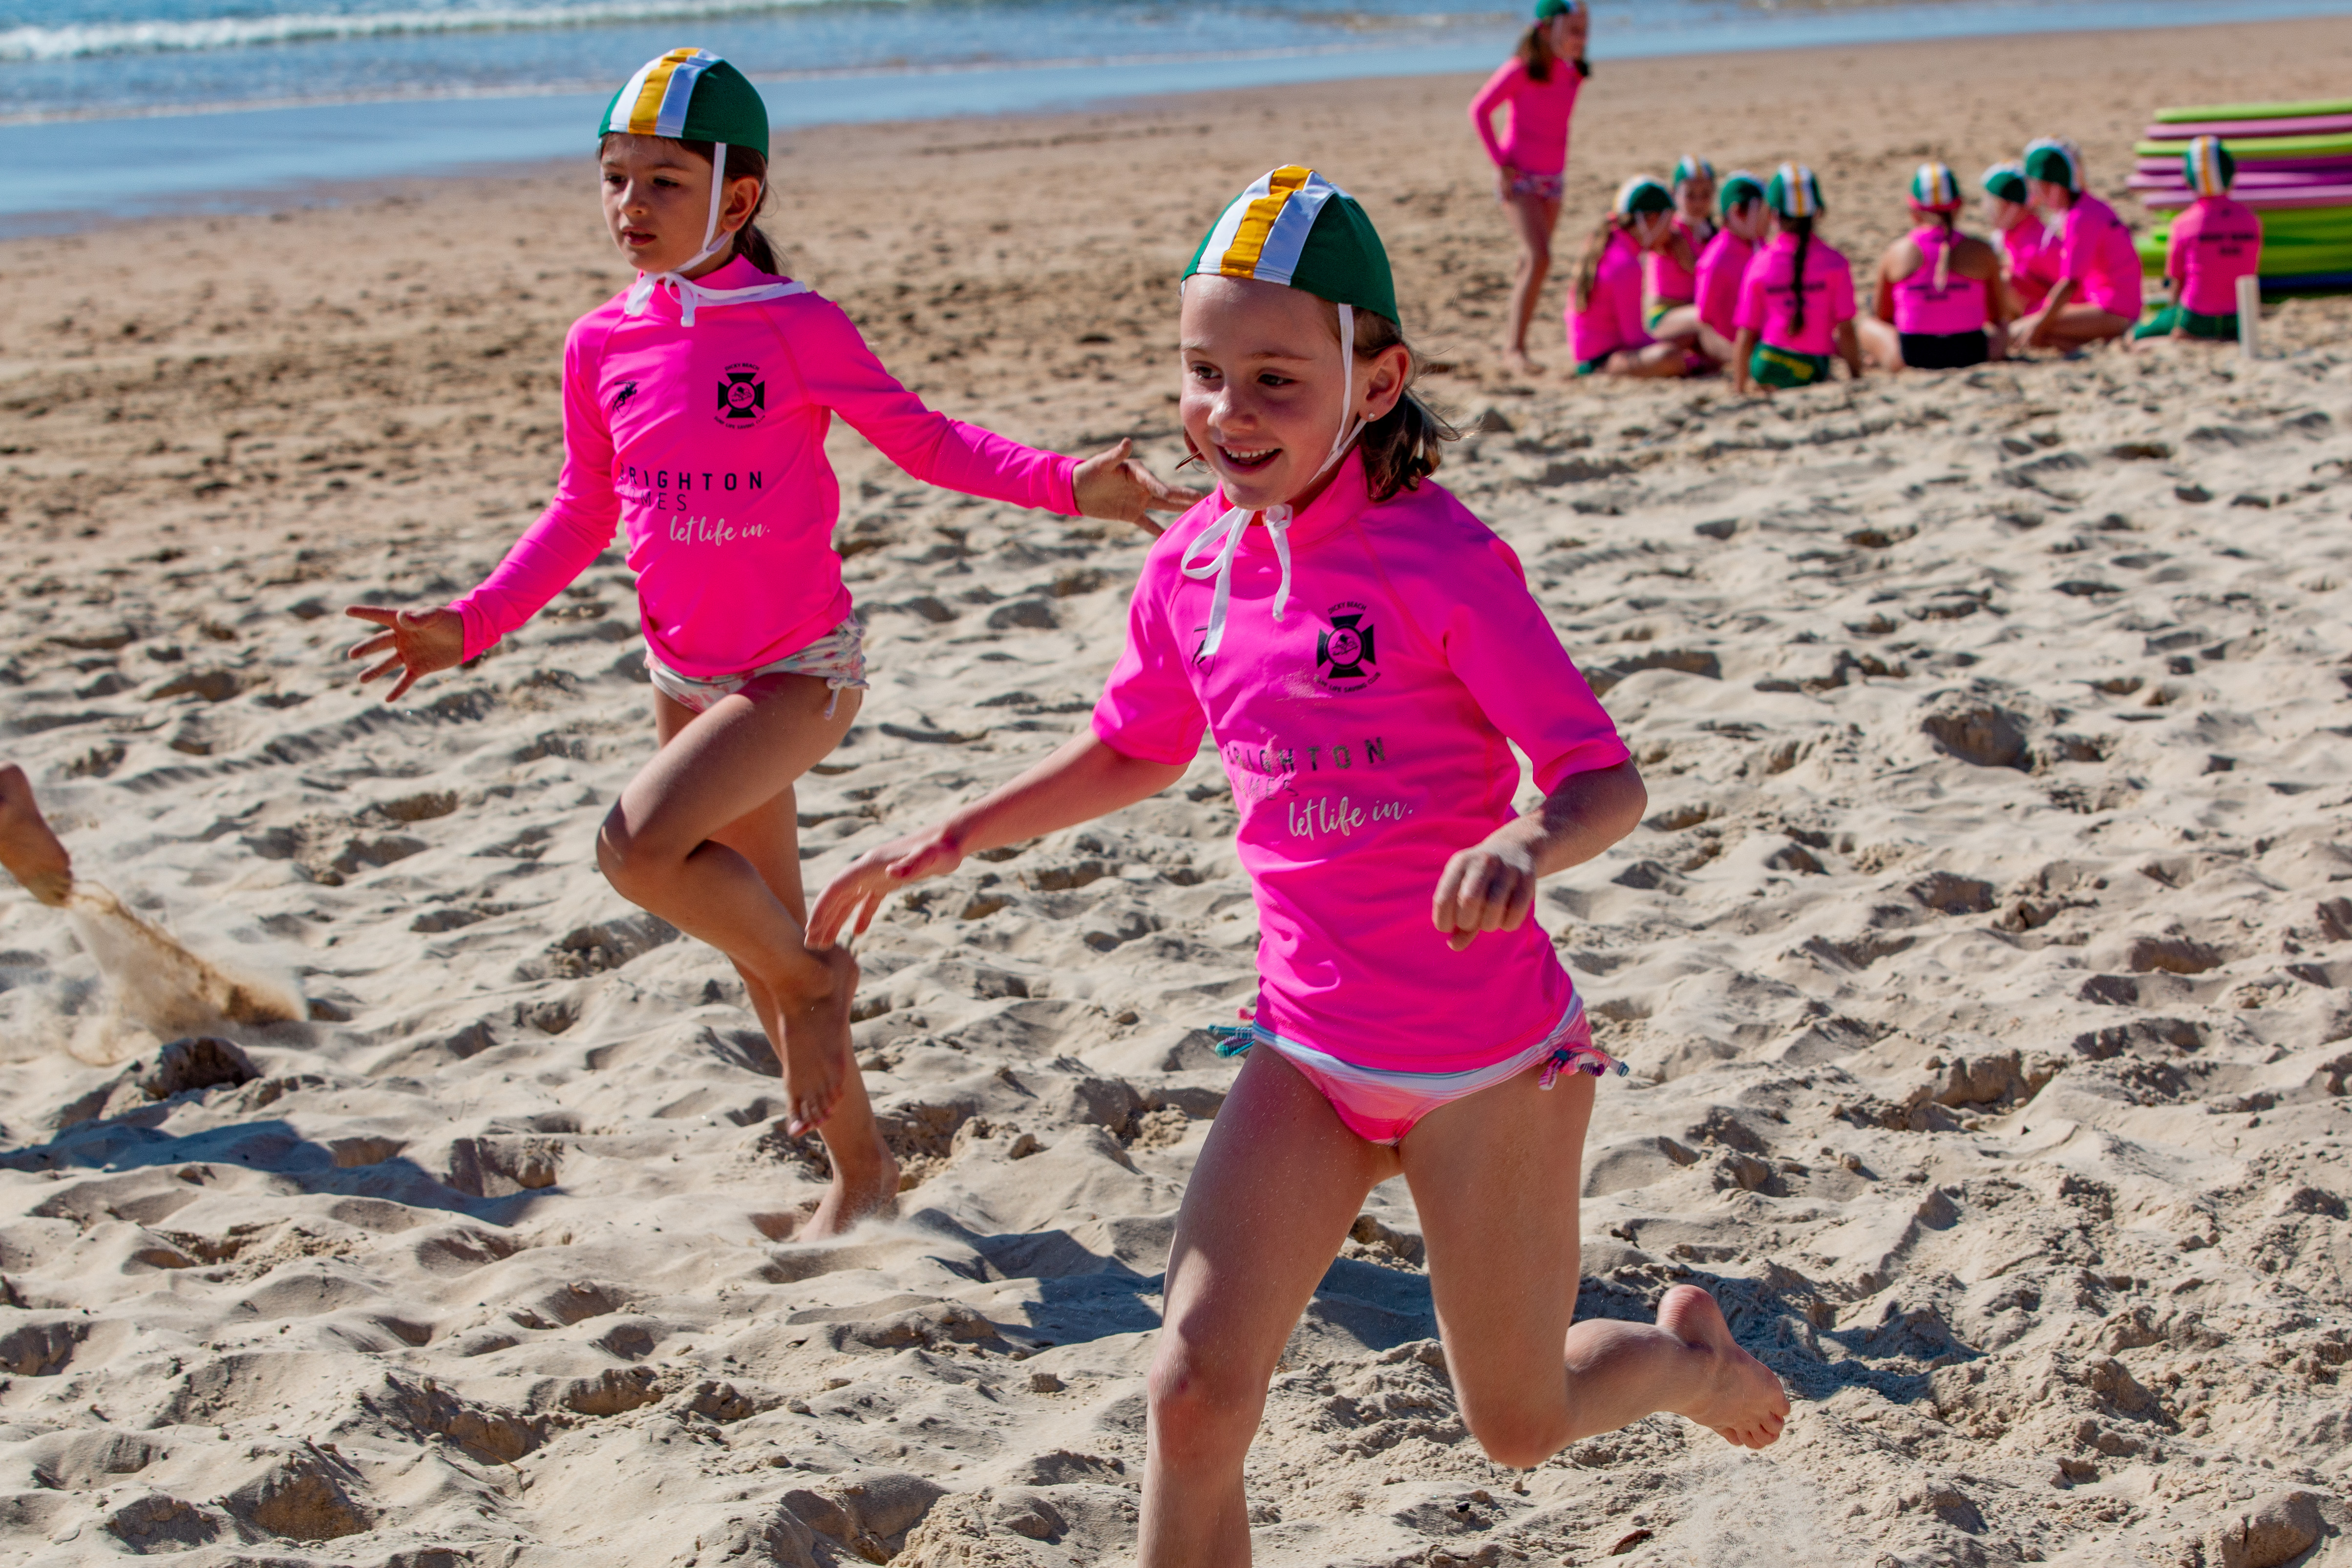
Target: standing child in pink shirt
[[1363, 653], [1796, 301], [1534, 90], [2214, 243], [694, 409]]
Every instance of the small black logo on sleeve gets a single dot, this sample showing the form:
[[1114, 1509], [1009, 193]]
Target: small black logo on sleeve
[[626, 395]]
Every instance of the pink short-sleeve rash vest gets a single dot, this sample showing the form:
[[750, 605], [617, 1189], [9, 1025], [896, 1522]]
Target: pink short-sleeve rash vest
[[2095, 251], [1767, 293], [2216, 242], [1368, 736]]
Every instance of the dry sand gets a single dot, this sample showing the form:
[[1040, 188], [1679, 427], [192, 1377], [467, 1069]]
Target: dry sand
[[1986, 960]]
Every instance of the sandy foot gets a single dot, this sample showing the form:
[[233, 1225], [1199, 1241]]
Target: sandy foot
[[28, 849], [1744, 1403]]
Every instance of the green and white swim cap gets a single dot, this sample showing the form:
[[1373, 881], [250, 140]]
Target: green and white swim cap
[[1738, 188], [2005, 182], [1640, 195], [1794, 193], [1547, 9], [2209, 169], [1936, 189], [1295, 227], [1689, 167], [689, 94], [2060, 163]]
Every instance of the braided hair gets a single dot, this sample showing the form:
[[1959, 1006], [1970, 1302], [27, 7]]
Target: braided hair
[[1802, 227]]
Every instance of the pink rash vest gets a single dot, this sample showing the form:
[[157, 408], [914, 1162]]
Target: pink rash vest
[[1922, 309], [2029, 260], [709, 441], [1611, 319], [1721, 266], [2216, 242], [1535, 139], [1669, 283], [1766, 292], [1367, 738], [2095, 250]]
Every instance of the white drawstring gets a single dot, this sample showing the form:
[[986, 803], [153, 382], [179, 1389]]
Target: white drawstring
[[1224, 535], [685, 289]]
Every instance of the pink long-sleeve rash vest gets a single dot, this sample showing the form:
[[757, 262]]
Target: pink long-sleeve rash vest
[[709, 441], [1535, 139], [1368, 737]]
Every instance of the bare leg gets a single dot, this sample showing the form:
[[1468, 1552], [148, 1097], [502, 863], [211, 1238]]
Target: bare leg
[[1495, 1180], [2073, 327], [1679, 326], [1278, 1184], [1535, 218], [28, 849], [1881, 344], [704, 838], [1714, 345], [1657, 360]]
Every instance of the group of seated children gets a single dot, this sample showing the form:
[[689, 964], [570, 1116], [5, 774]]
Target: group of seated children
[[1699, 275]]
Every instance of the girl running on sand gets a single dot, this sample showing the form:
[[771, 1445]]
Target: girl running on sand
[[2096, 296], [2029, 261], [695, 407], [1670, 270], [1939, 303], [2214, 243], [1724, 264], [1604, 304], [1362, 649], [1796, 300], [1538, 85]]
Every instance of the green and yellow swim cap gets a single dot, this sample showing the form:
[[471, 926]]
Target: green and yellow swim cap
[[689, 94], [2208, 166], [1794, 193], [1295, 227]]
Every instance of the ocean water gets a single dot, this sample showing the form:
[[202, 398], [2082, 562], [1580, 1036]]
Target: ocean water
[[122, 107]]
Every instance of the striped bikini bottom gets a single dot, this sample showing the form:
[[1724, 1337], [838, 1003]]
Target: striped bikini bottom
[[1382, 1107]]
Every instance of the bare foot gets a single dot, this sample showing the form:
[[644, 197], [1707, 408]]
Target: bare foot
[[1517, 360], [872, 1192], [27, 848], [816, 1054], [1744, 1402]]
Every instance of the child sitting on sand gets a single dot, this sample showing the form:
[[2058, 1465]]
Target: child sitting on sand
[[1670, 270], [2216, 242], [2029, 261], [1362, 649], [1605, 330], [1796, 300], [1724, 264], [1939, 303], [695, 407], [2096, 296]]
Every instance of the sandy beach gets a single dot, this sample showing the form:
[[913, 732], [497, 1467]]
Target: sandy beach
[[1985, 962]]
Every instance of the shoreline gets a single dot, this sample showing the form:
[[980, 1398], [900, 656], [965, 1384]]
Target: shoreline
[[178, 151]]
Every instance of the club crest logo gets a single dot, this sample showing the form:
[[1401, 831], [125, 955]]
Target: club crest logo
[[1347, 651], [742, 397]]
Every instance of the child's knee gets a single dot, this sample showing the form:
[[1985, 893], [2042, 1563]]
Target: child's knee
[[1518, 1433], [627, 860], [1195, 1394]]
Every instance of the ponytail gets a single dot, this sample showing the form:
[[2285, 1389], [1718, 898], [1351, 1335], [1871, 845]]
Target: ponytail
[[1400, 448], [1802, 227], [1588, 264], [1535, 52], [1944, 256]]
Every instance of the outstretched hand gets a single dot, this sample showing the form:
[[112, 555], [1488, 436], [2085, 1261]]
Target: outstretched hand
[[857, 892], [1113, 486], [1490, 887], [419, 642]]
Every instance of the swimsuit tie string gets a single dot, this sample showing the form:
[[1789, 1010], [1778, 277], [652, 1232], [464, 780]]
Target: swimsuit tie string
[[690, 293]]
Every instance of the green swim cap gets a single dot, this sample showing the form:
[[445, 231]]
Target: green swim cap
[[1295, 227], [2006, 181], [1547, 9], [1738, 188], [689, 94], [2060, 163], [1794, 193], [1641, 194]]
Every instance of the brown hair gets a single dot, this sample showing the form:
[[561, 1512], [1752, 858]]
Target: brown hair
[[1535, 53], [1400, 448], [1588, 263], [743, 164]]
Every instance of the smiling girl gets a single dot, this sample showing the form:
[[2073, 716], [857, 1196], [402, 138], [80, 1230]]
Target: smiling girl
[[1365, 654], [694, 409]]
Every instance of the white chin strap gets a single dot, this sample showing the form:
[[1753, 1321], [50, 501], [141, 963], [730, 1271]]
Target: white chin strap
[[1224, 535], [687, 293]]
